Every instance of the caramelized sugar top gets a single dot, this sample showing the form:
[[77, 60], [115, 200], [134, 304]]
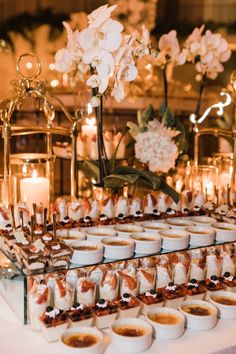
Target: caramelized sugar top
[[165, 318], [80, 340], [129, 331], [198, 310]]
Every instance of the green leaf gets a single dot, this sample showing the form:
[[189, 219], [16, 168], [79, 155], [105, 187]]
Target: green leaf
[[118, 181], [91, 169], [133, 129], [165, 188], [162, 109], [168, 119], [113, 157], [148, 179], [145, 116]]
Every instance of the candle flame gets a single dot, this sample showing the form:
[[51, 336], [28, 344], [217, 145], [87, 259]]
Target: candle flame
[[90, 121], [24, 169], [90, 108], [34, 174]]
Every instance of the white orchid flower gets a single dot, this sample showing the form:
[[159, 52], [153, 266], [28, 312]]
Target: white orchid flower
[[107, 36], [100, 82], [118, 92], [98, 57], [95, 101], [210, 50], [170, 50], [63, 60], [100, 15]]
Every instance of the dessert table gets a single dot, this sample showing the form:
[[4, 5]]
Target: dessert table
[[16, 338]]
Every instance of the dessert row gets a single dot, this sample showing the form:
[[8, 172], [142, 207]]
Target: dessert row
[[36, 249], [134, 335], [131, 334], [124, 289], [106, 211]]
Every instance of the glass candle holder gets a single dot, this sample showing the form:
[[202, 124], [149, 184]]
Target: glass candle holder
[[34, 174], [205, 179], [224, 163]]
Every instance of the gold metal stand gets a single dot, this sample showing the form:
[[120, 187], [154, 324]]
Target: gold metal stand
[[214, 131], [30, 86]]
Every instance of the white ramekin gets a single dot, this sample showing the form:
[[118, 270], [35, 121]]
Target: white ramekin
[[152, 244], [94, 349], [113, 251], [167, 331], [225, 311], [125, 230], [154, 226], [131, 344], [171, 243], [203, 220], [201, 235], [97, 234], [88, 257], [179, 223], [225, 232], [200, 322]]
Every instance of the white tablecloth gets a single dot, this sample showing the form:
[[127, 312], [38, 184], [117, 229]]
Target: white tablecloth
[[18, 339]]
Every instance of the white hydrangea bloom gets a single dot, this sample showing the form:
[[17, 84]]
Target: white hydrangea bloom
[[156, 147]]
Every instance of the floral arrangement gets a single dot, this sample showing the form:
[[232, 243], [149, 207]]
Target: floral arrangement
[[108, 53], [208, 51], [156, 147], [108, 58], [111, 57], [158, 143]]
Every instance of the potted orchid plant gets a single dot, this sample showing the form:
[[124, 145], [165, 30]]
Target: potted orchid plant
[[208, 51], [111, 58]]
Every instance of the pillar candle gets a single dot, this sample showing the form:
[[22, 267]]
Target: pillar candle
[[34, 189]]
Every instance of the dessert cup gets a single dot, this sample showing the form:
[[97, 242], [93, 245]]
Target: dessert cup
[[105, 313], [200, 315], [213, 285], [174, 295], [87, 252], [97, 234], [194, 290], [71, 236], [229, 281], [225, 302], [118, 248], [128, 306], [137, 335], [167, 323], [109, 286], [150, 300], [91, 340], [86, 291], [154, 226], [38, 298], [201, 235], [146, 242], [63, 295], [225, 232], [146, 279], [205, 221], [80, 316], [179, 223], [174, 240], [53, 324], [125, 230]]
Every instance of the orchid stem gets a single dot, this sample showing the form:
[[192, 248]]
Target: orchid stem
[[165, 87], [201, 89]]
